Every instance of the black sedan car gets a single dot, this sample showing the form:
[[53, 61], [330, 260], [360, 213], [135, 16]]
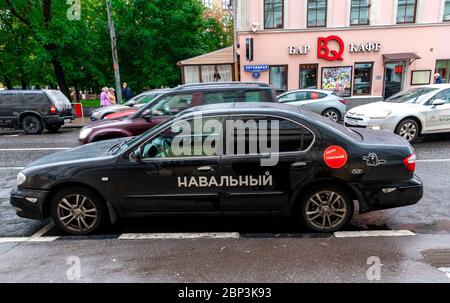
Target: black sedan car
[[217, 160]]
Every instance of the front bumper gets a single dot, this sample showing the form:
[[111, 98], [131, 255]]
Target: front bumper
[[366, 122], [385, 195], [29, 203]]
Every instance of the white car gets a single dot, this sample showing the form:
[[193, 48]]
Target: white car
[[417, 111]]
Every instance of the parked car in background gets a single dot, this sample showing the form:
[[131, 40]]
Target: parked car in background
[[322, 102], [130, 106], [121, 114], [34, 110], [417, 111], [174, 101]]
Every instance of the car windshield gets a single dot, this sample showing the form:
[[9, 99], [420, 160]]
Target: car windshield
[[413, 95]]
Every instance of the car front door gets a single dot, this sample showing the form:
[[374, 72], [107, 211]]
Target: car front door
[[174, 171], [257, 178], [438, 117]]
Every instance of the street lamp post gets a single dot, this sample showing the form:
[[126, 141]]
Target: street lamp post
[[115, 57]]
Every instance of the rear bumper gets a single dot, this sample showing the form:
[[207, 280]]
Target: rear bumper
[[385, 195], [57, 120], [29, 203]]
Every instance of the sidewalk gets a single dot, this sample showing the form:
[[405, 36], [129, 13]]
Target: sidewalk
[[78, 123]]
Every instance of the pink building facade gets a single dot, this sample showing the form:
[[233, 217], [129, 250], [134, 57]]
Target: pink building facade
[[357, 48]]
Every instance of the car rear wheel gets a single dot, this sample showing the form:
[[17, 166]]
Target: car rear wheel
[[53, 128], [332, 114], [78, 211], [408, 129], [32, 125], [326, 209]]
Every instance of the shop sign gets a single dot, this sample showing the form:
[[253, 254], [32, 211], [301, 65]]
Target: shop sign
[[365, 47], [324, 52], [256, 69], [301, 50]]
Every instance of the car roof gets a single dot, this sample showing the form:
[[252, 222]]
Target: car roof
[[250, 108], [23, 91], [328, 92], [222, 85]]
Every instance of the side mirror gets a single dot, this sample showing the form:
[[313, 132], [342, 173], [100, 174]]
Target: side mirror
[[438, 102], [130, 103], [137, 154]]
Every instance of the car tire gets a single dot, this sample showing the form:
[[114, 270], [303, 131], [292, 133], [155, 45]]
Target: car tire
[[53, 128], [32, 125], [78, 211], [332, 114], [408, 129], [326, 209]]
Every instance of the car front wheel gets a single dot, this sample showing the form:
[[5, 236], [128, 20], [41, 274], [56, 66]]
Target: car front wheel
[[77, 211], [408, 129], [326, 209], [332, 114]]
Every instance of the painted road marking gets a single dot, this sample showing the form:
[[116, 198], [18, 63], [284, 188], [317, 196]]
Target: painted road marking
[[43, 230], [12, 168], [139, 236], [34, 149], [373, 233], [432, 160], [445, 270]]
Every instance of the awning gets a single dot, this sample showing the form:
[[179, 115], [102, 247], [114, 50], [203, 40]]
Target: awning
[[221, 56], [411, 57]]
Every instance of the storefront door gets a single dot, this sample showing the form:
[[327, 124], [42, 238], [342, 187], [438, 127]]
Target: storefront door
[[393, 78], [308, 76]]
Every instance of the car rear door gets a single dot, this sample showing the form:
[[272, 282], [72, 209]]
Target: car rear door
[[176, 173], [438, 117], [257, 178], [10, 108]]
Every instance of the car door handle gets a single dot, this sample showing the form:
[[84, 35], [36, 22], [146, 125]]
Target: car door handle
[[205, 169], [299, 165]]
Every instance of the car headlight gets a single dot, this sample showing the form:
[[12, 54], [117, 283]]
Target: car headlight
[[380, 115], [21, 178], [84, 133]]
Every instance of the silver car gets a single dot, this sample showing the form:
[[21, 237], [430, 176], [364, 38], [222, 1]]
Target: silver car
[[322, 102], [417, 111]]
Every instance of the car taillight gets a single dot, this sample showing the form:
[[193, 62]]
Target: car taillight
[[53, 109], [410, 162], [343, 101]]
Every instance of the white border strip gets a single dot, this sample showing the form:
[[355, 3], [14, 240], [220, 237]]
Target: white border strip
[[35, 148], [230, 235], [26, 239], [373, 233]]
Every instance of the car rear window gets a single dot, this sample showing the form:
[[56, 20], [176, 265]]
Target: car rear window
[[59, 99], [236, 96]]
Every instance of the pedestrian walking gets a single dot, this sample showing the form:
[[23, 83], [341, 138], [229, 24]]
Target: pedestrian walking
[[104, 98], [112, 95], [127, 93], [438, 79]]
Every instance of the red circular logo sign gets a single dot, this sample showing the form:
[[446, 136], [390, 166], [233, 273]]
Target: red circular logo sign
[[335, 157]]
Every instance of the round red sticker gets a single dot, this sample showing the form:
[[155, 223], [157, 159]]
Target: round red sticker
[[335, 157]]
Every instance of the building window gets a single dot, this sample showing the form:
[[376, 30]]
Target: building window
[[226, 4], [359, 14], [443, 68], [208, 3], [447, 10], [273, 13], [362, 84], [308, 76], [278, 77], [317, 13], [406, 11]]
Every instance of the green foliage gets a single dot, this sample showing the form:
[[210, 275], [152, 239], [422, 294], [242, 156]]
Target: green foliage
[[152, 36]]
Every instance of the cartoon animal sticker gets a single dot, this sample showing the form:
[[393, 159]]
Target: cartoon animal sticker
[[372, 160]]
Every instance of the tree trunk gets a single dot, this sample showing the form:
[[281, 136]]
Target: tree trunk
[[23, 83], [59, 73], [8, 82], [77, 95]]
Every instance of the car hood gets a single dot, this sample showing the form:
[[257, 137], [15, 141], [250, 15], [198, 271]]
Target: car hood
[[380, 107], [93, 151]]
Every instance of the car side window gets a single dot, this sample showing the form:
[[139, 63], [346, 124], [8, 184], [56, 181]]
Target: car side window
[[172, 105], [34, 99], [198, 137], [245, 134], [315, 95], [444, 95], [257, 96]]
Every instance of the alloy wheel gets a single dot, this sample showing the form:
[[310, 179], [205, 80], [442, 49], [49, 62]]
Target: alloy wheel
[[332, 115], [326, 210], [408, 131], [77, 213]]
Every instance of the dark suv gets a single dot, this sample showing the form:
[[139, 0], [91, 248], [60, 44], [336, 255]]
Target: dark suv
[[34, 110], [174, 101]]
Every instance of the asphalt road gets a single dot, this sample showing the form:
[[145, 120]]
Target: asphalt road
[[252, 257]]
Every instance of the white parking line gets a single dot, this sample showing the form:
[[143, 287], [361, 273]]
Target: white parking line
[[142, 236], [34, 148], [373, 233], [43, 230], [433, 160], [12, 168], [26, 239], [445, 270]]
